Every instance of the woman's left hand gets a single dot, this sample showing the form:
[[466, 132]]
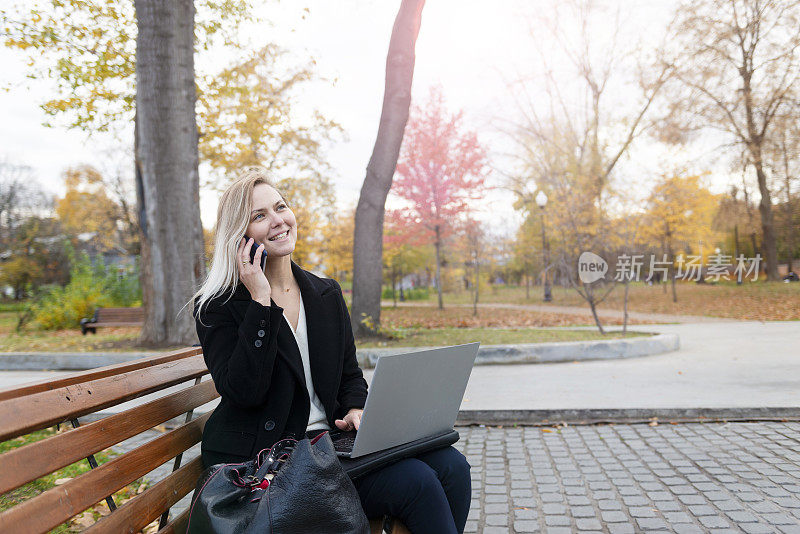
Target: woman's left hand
[[351, 421]]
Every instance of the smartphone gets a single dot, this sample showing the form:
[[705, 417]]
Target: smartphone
[[253, 253]]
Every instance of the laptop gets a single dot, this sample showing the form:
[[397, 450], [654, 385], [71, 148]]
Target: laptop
[[414, 395]]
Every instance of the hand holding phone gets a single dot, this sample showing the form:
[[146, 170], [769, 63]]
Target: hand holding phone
[[253, 250], [253, 278]]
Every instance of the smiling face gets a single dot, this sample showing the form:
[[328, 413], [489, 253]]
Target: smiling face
[[270, 216]]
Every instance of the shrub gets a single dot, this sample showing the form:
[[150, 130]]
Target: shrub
[[90, 286]]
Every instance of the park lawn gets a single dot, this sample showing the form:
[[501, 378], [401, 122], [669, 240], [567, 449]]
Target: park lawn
[[431, 316], [413, 337], [12, 306], [457, 320], [70, 340], [108, 340], [420, 318], [760, 300], [40, 485], [8, 321]]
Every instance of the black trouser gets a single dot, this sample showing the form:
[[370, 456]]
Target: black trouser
[[428, 493]]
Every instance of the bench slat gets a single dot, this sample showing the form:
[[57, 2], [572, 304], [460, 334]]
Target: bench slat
[[30, 462], [94, 374], [143, 509], [117, 312], [49, 407], [56, 505]]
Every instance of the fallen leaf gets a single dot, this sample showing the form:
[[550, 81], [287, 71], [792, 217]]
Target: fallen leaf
[[60, 481], [86, 519], [102, 508]]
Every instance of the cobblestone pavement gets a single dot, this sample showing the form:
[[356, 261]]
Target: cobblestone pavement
[[705, 477], [689, 477]]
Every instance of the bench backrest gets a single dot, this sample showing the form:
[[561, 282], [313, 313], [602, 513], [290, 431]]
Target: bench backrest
[[34, 406], [119, 315]]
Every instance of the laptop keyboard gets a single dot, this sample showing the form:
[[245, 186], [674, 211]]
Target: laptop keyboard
[[343, 441]]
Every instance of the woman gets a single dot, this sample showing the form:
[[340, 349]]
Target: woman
[[280, 349]]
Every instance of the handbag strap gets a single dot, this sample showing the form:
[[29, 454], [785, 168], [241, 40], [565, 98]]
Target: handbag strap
[[273, 460]]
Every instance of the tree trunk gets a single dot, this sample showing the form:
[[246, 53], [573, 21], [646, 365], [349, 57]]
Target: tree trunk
[[394, 286], [671, 272], [736, 249], [477, 279], [768, 240], [527, 283], [789, 227], [527, 286], [166, 170], [368, 242], [671, 268], [437, 246], [625, 308], [593, 306]]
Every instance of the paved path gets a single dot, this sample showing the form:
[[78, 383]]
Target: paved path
[[734, 477], [741, 364], [581, 310], [727, 364]]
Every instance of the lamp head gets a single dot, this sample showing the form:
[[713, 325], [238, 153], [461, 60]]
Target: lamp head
[[541, 199]]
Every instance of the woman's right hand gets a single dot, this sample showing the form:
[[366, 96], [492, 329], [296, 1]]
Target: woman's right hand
[[251, 274]]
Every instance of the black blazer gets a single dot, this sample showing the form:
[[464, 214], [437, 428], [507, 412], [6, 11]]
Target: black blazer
[[256, 367]]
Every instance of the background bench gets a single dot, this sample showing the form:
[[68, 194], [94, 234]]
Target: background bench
[[112, 317], [30, 407]]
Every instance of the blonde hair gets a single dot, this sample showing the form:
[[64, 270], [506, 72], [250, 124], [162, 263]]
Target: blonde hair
[[233, 216]]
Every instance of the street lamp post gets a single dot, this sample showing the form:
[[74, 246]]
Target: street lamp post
[[541, 201]]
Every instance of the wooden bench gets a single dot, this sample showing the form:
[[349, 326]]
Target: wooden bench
[[31, 407], [35, 406], [112, 317]]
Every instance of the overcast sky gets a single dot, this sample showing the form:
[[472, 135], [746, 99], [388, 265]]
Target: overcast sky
[[472, 48]]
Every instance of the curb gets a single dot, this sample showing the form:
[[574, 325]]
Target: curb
[[624, 416], [66, 361], [564, 351], [523, 353], [591, 416]]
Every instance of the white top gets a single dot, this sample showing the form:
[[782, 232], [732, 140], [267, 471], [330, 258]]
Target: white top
[[316, 417]]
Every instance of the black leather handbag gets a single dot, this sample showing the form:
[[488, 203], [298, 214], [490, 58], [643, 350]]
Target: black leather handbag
[[294, 487]]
